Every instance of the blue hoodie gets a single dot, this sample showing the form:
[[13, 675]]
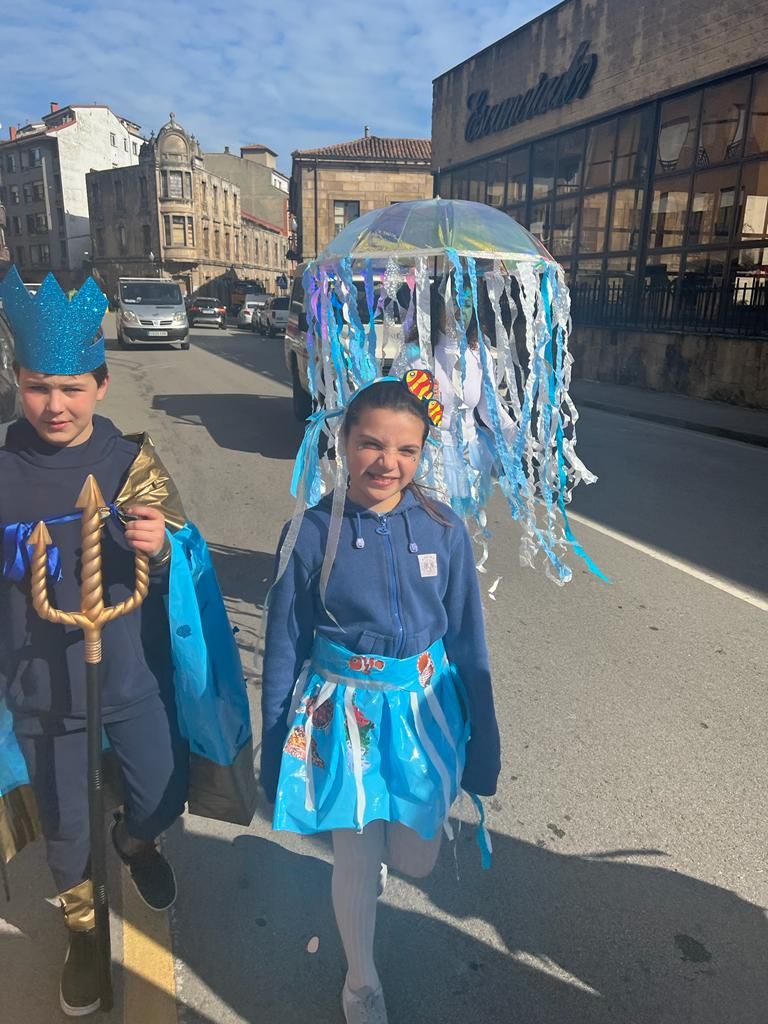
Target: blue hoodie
[[42, 668], [387, 601]]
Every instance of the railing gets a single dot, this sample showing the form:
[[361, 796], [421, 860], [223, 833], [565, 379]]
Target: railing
[[739, 308]]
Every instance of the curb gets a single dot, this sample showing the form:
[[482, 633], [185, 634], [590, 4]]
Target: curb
[[759, 440]]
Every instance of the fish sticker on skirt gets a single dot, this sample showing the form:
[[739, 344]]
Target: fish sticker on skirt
[[296, 746]]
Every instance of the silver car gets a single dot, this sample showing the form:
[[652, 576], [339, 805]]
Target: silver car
[[245, 315], [150, 310]]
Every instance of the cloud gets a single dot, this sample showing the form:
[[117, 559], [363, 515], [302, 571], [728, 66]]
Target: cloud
[[288, 73]]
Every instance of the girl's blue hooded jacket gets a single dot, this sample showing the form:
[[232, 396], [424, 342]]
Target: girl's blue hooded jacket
[[400, 582]]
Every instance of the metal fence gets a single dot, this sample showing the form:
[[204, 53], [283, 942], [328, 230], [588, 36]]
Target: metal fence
[[739, 308]]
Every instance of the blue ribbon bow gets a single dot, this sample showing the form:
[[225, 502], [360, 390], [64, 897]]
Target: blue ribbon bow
[[17, 551]]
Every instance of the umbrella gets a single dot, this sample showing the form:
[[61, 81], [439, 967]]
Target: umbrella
[[429, 227], [371, 298]]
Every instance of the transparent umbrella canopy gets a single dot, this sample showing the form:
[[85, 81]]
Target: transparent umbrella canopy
[[428, 227]]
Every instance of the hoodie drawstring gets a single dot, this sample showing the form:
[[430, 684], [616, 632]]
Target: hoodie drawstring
[[358, 529], [413, 547]]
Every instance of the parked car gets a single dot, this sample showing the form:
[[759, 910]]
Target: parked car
[[245, 315], [274, 317], [205, 310], [261, 303]]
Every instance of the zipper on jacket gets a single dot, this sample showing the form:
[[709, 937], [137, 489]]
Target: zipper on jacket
[[383, 530]]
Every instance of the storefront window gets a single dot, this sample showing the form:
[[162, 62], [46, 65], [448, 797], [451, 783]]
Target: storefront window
[[517, 212], [564, 227], [624, 267], [712, 207], [594, 217], [678, 133], [476, 188], [543, 167], [752, 222], [570, 159], [633, 145], [517, 176], [497, 179], [626, 219], [661, 272], [444, 185], [749, 274], [598, 164], [705, 269], [670, 200], [540, 225], [757, 137], [460, 184], [723, 122]]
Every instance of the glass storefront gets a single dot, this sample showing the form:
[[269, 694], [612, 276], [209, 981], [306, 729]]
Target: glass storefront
[[669, 200]]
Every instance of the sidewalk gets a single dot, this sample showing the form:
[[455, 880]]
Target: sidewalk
[[731, 421]]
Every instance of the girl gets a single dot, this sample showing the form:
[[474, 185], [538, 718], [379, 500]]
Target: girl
[[393, 708]]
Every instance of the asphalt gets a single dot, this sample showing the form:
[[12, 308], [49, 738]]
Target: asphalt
[[628, 884]]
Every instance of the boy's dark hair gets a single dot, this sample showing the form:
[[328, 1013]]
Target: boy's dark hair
[[100, 374], [395, 396]]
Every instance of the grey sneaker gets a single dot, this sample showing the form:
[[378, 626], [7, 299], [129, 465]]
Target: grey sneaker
[[364, 1007]]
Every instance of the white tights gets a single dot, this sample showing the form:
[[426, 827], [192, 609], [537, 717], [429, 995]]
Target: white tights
[[358, 857]]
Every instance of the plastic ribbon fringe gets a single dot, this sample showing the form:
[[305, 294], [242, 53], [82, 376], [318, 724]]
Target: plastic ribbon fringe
[[374, 316], [16, 550], [482, 835]]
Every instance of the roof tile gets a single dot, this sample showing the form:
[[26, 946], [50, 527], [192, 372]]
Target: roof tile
[[374, 147]]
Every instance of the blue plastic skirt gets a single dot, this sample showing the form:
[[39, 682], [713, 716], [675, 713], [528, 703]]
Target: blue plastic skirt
[[372, 738]]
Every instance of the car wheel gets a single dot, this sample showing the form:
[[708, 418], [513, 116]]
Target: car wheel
[[184, 346], [221, 325], [121, 340], [302, 402]]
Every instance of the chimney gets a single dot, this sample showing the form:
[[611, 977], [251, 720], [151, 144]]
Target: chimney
[[226, 149], [54, 106], [11, 133]]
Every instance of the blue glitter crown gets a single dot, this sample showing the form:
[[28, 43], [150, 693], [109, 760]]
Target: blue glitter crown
[[53, 334]]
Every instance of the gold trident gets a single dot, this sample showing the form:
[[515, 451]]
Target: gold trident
[[92, 615]]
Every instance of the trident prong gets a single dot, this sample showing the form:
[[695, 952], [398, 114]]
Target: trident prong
[[92, 615]]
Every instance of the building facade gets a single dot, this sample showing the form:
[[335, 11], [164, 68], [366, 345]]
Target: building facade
[[632, 139], [171, 216], [263, 189], [334, 185], [5, 254], [42, 183]]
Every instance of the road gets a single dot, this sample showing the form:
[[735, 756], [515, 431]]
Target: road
[[629, 879]]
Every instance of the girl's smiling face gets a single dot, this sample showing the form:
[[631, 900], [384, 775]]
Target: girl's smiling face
[[383, 448]]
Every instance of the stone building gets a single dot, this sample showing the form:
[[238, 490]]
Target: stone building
[[263, 189], [5, 253], [42, 184], [333, 185], [171, 216], [633, 140]]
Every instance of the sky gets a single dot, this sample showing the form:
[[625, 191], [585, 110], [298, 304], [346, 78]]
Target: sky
[[287, 73]]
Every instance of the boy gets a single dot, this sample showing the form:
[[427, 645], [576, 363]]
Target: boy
[[47, 455]]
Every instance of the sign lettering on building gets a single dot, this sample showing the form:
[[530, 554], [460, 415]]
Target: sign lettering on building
[[549, 94]]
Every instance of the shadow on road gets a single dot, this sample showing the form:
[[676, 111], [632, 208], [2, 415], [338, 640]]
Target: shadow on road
[[243, 575], [584, 940], [245, 423], [556, 939]]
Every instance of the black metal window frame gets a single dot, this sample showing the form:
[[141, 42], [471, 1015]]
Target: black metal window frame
[[732, 306]]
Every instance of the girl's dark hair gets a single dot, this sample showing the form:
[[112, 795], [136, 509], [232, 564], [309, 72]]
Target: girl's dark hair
[[395, 396]]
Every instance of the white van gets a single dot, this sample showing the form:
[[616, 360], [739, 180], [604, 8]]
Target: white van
[[150, 310], [388, 341]]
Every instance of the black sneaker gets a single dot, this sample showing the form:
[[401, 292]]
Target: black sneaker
[[79, 990], [151, 874]]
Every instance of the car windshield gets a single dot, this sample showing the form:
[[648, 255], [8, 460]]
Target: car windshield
[[280, 304], [150, 293]]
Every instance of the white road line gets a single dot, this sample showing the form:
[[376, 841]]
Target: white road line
[[676, 563]]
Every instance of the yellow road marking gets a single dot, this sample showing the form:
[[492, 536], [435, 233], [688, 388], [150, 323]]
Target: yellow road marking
[[149, 993]]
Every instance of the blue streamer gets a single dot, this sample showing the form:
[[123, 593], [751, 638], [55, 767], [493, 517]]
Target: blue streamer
[[17, 551]]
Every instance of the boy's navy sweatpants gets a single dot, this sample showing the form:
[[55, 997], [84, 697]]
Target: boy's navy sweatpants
[[153, 759]]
